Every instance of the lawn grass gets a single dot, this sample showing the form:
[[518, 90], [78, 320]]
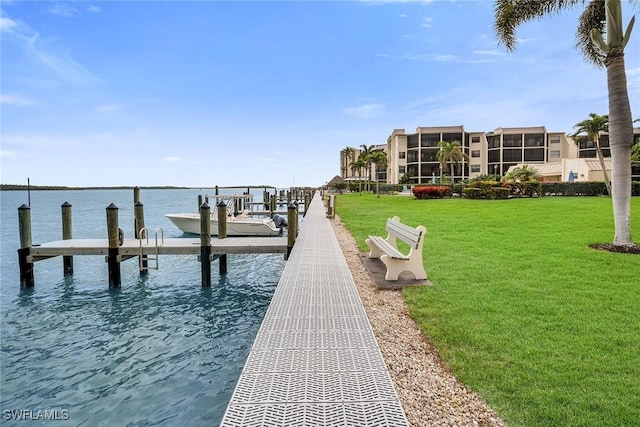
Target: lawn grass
[[544, 328]]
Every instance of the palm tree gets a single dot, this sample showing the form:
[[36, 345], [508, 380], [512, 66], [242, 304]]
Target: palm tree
[[599, 18], [592, 127], [450, 155], [379, 158], [357, 166], [348, 156], [366, 153]]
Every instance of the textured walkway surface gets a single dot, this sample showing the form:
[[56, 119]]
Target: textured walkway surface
[[315, 360]]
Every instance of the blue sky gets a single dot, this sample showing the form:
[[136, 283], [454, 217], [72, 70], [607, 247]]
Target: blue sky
[[210, 93]]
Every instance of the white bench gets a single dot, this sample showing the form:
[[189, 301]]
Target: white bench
[[387, 249]]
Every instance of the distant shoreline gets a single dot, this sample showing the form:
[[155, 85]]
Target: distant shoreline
[[22, 187]]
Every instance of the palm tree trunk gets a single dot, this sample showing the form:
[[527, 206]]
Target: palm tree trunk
[[607, 182], [620, 141]]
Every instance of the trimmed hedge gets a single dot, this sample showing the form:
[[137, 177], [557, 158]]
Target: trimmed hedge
[[574, 188], [432, 191], [491, 190]]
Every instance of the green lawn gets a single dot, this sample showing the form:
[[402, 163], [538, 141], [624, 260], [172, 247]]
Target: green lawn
[[544, 328]]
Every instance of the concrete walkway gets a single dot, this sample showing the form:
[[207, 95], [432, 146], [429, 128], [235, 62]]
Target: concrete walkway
[[315, 360]]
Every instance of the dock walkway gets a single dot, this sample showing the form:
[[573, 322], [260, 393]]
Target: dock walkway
[[315, 360]]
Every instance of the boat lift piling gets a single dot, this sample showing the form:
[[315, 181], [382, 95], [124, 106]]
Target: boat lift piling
[[138, 226], [67, 234], [113, 237], [26, 267], [222, 234], [205, 244]]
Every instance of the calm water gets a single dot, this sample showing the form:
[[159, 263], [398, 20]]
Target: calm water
[[158, 351]]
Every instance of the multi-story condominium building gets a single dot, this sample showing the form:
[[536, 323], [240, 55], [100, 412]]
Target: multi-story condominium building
[[555, 155]]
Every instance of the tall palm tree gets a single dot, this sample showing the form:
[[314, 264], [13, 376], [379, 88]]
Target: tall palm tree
[[366, 153], [347, 152], [379, 158], [599, 18], [592, 127], [450, 155], [357, 166]]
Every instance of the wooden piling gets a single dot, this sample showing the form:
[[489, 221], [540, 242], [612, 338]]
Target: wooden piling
[[199, 201], [139, 225], [222, 234], [113, 236], [205, 244], [26, 267], [274, 203], [307, 200], [67, 234], [292, 227]]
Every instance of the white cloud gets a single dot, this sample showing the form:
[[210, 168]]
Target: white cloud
[[16, 99], [64, 10], [446, 58], [492, 52], [172, 159], [366, 111], [7, 24], [46, 51], [93, 9], [426, 23], [107, 108]]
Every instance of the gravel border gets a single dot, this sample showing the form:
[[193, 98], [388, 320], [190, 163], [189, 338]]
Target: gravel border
[[429, 393]]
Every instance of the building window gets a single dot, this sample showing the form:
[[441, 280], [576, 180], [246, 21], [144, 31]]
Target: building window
[[475, 153], [512, 140], [554, 140], [475, 168], [412, 156], [402, 155], [429, 139], [534, 140], [554, 154], [475, 139], [413, 141], [494, 156], [493, 141], [534, 155], [401, 169], [512, 155]]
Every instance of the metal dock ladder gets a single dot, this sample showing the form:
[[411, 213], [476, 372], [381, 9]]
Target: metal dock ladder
[[149, 262]]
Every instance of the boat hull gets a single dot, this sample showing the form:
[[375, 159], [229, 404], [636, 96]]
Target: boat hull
[[236, 226]]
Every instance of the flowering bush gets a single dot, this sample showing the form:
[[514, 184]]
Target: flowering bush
[[431, 191]]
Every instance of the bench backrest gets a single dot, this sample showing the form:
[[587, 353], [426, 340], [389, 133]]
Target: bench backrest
[[410, 235]]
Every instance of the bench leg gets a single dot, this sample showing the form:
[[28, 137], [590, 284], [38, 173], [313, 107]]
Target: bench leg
[[396, 266], [374, 251]]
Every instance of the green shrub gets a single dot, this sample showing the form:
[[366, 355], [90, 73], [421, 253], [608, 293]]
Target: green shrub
[[492, 190], [574, 188]]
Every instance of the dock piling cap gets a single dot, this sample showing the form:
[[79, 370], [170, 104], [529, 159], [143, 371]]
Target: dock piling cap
[[112, 206], [23, 207]]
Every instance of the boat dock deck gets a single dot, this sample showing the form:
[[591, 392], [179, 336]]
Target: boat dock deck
[[315, 360], [170, 246]]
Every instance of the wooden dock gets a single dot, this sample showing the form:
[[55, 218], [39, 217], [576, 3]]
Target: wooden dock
[[315, 360], [116, 248], [173, 246]]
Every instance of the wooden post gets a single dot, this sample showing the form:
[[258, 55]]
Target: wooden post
[[222, 234], [217, 191], [26, 267], [199, 201], [113, 231], [292, 228], [274, 203], [205, 244], [67, 234], [139, 225], [307, 200]]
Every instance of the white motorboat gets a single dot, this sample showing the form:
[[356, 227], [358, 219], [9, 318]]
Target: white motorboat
[[238, 224]]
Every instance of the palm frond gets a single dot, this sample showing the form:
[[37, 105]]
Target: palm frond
[[593, 19]]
